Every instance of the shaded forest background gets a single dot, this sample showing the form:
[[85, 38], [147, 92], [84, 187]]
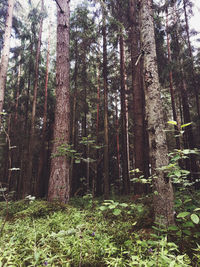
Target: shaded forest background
[[108, 126]]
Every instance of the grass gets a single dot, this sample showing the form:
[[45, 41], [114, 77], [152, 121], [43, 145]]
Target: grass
[[83, 233]]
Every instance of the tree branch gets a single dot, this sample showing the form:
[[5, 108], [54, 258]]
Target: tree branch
[[61, 10]]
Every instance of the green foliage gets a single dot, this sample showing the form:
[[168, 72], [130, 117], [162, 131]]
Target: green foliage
[[39, 233]]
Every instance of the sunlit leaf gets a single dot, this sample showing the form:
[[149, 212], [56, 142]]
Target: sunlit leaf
[[194, 218]]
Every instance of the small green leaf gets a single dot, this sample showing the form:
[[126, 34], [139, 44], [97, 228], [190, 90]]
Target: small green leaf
[[183, 214], [194, 218], [173, 228], [124, 205], [197, 209], [117, 212], [172, 122], [112, 206], [187, 232], [186, 124], [102, 208]]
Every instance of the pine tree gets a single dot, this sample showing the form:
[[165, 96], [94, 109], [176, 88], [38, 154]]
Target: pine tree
[[163, 198], [59, 182]]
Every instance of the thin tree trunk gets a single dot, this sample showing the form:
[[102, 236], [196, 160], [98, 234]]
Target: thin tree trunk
[[98, 178], [5, 54], [95, 179], [171, 83], [40, 183], [28, 91], [125, 163], [28, 183], [17, 93], [59, 183], [163, 199], [117, 141], [105, 79], [73, 177]]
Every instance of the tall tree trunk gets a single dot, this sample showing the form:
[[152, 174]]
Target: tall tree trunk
[[5, 53], [28, 183], [171, 83], [105, 79], [73, 178], [59, 183], [163, 199], [117, 141], [125, 158], [140, 140], [98, 177], [17, 93], [40, 182]]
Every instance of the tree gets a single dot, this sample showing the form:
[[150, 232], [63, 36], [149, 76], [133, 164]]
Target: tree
[[163, 192], [5, 53], [59, 183], [140, 138], [27, 182], [105, 78]]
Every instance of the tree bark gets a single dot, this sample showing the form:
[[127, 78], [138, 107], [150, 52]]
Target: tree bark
[[59, 183], [124, 118], [5, 54], [105, 79], [140, 140], [163, 198], [40, 182]]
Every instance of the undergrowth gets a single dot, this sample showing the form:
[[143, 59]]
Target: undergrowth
[[86, 233]]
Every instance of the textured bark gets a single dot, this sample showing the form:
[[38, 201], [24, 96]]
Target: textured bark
[[59, 183], [140, 140], [124, 118], [105, 79], [28, 183], [5, 53], [163, 200]]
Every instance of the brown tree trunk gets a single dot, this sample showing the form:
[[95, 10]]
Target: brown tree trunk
[[125, 158], [117, 141], [163, 198], [5, 54], [59, 183], [28, 182], [73, 178], [40, 182], [17, 93], [140, 140], [105, 79], [98, 177]]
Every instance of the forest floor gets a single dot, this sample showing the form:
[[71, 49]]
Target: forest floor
[[87, 232]]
